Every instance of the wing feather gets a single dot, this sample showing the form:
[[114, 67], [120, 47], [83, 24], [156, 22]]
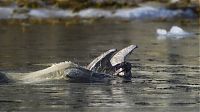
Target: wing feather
[[121, 56], [102, 61]]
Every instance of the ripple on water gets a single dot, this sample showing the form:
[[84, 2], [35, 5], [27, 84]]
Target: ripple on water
[[159, 84]]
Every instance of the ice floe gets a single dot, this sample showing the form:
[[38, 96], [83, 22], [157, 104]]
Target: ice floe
[[174, 32]]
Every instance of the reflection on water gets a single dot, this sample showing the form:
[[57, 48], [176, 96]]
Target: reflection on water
[[166, 72]]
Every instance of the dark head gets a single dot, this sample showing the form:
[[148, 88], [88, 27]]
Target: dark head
[[124, 70]]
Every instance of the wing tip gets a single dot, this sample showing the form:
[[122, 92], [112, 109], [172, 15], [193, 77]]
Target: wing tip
[[121, 55], [133, 46]]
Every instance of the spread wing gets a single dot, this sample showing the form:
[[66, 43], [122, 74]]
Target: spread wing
[[102, 62], [120, 56]]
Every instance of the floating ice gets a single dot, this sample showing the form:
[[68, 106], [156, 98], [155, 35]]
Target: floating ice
[[175, 31], [161, 32]]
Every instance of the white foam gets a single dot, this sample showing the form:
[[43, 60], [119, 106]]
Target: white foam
[[56, 71]]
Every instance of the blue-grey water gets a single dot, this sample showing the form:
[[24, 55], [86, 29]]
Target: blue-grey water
[[165, 71]]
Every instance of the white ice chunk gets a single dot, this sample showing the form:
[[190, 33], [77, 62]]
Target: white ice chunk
[[175, 31], [161, 32]]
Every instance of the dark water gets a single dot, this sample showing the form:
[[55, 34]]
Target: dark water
[[165, 72]]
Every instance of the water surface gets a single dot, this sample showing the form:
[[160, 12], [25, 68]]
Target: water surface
[[165, 72]]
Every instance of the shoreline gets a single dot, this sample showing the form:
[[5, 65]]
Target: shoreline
[[115, 9], [138, 13]]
